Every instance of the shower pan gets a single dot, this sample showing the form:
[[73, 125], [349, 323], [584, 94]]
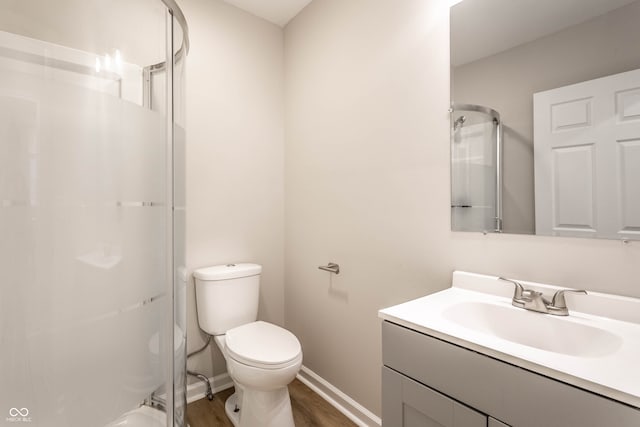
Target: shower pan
[[476, 169], [92, 281]]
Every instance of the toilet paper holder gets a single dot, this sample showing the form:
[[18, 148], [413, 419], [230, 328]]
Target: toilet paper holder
[[332, 267]]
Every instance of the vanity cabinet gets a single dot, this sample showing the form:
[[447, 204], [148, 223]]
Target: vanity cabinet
[[430, 382]]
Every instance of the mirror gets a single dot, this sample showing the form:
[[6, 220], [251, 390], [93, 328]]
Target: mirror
[[545, 117]]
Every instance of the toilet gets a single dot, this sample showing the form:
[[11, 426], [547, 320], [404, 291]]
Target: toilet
[[262, 358]]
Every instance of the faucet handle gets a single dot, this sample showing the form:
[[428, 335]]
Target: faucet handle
[[518, 293], [558, 300]]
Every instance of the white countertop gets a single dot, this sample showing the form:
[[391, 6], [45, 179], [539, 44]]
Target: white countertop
[[614, 373]]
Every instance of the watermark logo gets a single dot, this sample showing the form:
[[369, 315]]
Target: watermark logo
[[18, 415]]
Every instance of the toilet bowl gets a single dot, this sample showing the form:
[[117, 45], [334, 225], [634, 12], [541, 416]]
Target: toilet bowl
[[262, 358]]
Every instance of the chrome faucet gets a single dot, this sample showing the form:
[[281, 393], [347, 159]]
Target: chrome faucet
[[536, 301], [559, 305]]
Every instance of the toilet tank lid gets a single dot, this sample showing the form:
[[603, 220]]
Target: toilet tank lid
[[227, 271]]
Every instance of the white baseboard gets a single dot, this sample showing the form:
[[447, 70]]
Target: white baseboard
[[343, 403], [197, 390]]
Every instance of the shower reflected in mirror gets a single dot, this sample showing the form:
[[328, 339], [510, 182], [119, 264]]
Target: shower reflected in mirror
[[565, 81], [475, 169]]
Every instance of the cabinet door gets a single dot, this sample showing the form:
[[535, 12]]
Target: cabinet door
[[495, 423], [407, 403]]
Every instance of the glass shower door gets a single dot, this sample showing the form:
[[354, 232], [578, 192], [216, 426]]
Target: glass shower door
[[87, 234]]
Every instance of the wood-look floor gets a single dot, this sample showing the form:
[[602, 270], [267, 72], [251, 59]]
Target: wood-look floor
[[309, 410]]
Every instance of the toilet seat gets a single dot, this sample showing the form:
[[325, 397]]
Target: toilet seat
[[263, 345]]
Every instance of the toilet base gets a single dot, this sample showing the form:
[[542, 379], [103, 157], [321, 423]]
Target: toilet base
[[265, 409], [230, 408]]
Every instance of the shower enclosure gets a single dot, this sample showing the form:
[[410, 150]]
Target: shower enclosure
[[476, 169], [92, 286]]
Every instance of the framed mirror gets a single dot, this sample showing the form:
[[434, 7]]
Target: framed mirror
[[545, 117]]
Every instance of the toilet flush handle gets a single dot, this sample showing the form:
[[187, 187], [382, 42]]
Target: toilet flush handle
[[332, 267]]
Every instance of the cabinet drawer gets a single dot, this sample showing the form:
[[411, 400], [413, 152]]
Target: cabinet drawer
[[514, 395]]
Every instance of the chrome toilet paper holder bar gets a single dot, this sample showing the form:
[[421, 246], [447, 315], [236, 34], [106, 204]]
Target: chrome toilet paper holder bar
[[332, 267]]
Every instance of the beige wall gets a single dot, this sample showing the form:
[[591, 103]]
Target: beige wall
[[507, 81], [235, 154], [366, 176], [367, 186]]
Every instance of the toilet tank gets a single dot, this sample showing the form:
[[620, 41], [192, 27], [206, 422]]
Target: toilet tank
[[227, 296]]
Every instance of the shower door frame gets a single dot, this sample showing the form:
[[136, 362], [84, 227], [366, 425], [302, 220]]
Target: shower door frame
[[168, 66]]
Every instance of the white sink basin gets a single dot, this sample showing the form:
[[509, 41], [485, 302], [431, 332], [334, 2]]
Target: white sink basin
[[596, 347], [542, 331]]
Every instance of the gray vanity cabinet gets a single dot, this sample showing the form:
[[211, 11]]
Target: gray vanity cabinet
[[495, 423], [430, 382], [407, 403]]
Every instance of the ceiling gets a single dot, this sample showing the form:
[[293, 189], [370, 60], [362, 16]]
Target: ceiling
[[277, 11], [481, 28]]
